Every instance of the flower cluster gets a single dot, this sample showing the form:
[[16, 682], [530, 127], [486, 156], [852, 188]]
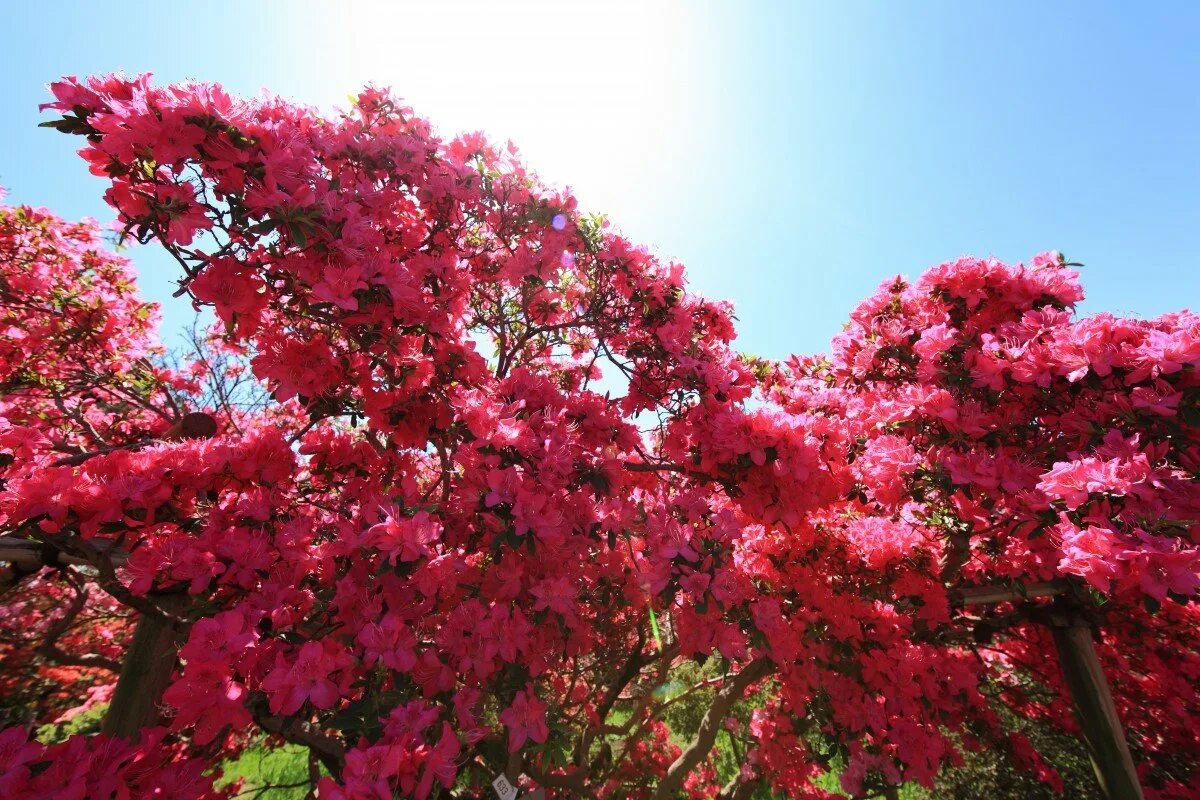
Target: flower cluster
[[102, 768], [997, 440]]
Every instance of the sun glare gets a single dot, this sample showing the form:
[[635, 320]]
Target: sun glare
[[598, 100]]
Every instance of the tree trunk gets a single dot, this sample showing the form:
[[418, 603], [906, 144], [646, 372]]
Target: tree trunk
[[1095, 709], [145, 673]]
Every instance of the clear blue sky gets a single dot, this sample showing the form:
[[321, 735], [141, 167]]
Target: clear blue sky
[[792, 155]]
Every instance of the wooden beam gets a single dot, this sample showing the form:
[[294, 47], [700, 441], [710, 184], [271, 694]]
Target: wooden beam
[[1084, 678], [986, 595]]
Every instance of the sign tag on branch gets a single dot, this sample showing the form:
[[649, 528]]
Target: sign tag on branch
[[504, 789]]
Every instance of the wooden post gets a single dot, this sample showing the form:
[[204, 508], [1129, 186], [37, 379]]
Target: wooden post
[[1084, 677], [1094, 707], [145, 673]]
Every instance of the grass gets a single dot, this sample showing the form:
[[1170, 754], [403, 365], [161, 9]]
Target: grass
[[263, 768]]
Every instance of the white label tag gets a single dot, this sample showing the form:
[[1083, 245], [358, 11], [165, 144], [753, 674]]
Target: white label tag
[[504, 789]]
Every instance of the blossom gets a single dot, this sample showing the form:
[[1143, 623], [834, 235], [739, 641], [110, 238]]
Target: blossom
[[881, 541], [405, 538], [1073, 481], [311, 677], [1090, 552], [525, 720], [237, 293], [207, 701], [390, 641], [184, 216], [885, 466]]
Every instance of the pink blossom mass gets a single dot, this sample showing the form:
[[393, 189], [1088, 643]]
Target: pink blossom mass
[[507, 479]]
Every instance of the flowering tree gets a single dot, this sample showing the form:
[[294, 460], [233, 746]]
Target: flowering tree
[[511, 489], [78, 379], [1004, 451]]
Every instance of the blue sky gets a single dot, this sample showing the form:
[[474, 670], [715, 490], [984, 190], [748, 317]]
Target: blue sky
[[792, 155]]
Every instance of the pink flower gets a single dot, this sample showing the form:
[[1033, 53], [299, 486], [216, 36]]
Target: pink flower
[[885, 466], [297, 367], [525, 719], [338, 285], [234, 291], [391, 641], [405, 538], [883, 542], [184, 216], [1073, 481], [441, 763], [208, 700], [1161, 566], [1090, 552], [218, 638], [933, 343], [16, 751], [309, 678], [557, 595]]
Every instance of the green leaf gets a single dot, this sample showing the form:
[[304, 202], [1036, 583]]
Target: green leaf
[[298, 235]]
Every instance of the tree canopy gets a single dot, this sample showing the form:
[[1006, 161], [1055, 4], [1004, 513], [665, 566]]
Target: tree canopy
[[513, 483]]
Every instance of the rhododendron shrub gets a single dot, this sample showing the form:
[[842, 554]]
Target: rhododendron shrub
[[430, 572], [76, 374], [81, 376], [515, 475], [1001, 441]]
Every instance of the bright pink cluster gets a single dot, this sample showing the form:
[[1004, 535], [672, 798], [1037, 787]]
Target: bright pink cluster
[[100, 768], [1000, 440]]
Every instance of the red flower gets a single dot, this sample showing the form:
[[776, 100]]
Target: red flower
[[525, 720]]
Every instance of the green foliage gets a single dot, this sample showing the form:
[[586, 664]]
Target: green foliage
[[991, 773], [269, 773], [82, 724]]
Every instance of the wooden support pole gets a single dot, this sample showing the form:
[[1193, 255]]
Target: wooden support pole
[[145, 673], [990, 595], [1094, 707], [30, 555]]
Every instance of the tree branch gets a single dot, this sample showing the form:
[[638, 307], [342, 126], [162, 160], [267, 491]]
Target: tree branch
[[50, 650], [633, 666], [695, 752], [329, 749], [739, 788]]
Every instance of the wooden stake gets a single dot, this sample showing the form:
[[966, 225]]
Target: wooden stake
[[1094, 707]]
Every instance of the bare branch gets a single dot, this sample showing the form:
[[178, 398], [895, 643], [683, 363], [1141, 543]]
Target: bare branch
[[49, 648]]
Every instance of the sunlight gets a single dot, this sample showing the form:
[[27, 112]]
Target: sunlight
[[603, 97]]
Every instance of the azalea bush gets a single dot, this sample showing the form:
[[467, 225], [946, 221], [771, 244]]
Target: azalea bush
[[515, 501]]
